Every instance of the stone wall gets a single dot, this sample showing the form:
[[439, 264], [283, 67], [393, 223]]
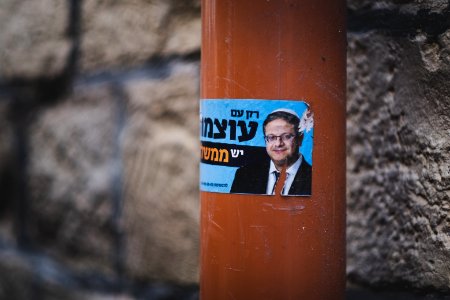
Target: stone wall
[[399, 144], [99, 147]]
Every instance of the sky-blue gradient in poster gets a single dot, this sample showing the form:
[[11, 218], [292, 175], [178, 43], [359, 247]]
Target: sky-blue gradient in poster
[[231, 133]]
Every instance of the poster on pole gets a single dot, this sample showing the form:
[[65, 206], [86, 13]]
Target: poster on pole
[[247, 143]]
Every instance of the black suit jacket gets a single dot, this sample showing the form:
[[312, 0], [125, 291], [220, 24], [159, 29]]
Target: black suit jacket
[[252, 179]]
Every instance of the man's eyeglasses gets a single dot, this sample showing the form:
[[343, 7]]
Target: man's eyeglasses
[[285, 137]]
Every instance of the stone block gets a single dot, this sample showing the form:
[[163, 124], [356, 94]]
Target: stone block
[[33, 38], [161, 156], [183, 34], [73, 168], [117, 33]]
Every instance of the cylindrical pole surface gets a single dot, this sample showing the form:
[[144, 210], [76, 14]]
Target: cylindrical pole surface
[[278, 247]]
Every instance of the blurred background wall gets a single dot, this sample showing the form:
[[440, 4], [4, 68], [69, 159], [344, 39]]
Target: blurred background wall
[[99, 147]]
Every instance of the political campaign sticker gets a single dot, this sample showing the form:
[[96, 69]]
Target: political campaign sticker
[[252, 146]]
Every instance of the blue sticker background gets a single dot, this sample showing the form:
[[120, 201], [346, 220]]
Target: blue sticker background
[[231, 134]]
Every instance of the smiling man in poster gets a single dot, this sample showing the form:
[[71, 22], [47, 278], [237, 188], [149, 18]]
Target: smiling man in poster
[[283, 134]]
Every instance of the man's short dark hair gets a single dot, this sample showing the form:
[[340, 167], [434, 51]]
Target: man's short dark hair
[[290, 118]]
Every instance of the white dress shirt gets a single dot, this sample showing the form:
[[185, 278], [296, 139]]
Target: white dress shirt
[[290, 175]]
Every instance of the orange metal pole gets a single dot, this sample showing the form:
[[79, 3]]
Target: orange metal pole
[[276, 247]]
